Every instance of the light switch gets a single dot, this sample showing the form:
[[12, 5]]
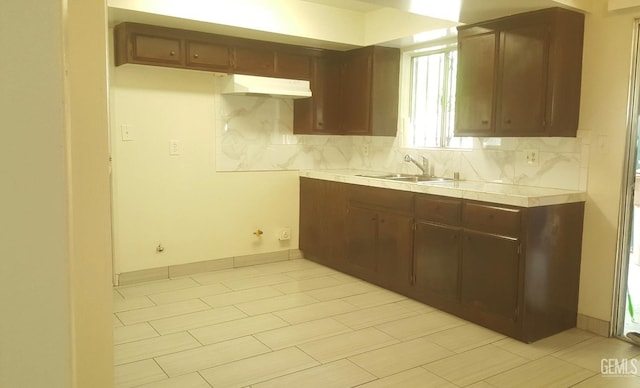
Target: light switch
[[127, 132], [174, 147]]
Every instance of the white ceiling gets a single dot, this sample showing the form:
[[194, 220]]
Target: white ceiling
[[470, 11], [352, 5]]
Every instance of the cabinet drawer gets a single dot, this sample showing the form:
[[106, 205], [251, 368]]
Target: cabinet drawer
[[290, 65], [492, 219], [395, 200], [208, 56], [438, 209], [157, 49], [254, 61]]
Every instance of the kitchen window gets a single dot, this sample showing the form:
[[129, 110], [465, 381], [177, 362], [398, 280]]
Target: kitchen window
[[432, 101]]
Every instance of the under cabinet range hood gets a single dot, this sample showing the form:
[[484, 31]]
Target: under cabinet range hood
[[250, 85]]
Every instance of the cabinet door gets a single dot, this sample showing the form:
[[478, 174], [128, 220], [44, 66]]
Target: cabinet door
[[395, 249], [523, 86], [208, 56], [490, 267], [320, 113], [156, 50], [437, 262], [254, 60], [361, 242], [312, 226], [335, 212], [475, 81], [356, 92]]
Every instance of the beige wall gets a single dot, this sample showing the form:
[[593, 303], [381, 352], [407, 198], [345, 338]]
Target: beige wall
[[89, 194], [605, 83], [55, 330], [34, 294], [181, 201]]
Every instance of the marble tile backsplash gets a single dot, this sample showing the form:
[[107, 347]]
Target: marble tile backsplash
[[256, 134]]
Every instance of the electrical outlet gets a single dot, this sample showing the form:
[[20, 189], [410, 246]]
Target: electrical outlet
[[174, 147], [365, 149], [127, 132], [532, 157], [284, 234]]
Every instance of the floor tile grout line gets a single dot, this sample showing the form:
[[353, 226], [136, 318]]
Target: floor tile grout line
[[137, 308], [290, 373], [150, 296], [526, 361], [205, 380], [585, 379], [568, 361], [215, 366], [264, 285], [297, 346], [197, 327], [258, 339], [194, 337], [144, 284], [444, 378], [118, 318], [161, 368], [172, 316]]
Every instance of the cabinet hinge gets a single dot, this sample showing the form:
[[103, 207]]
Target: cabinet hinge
[[519, 249], [414, 226]]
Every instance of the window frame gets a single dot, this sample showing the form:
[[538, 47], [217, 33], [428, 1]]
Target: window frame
[[444, 138]]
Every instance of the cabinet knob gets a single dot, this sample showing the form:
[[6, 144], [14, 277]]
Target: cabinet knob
[[507, 121], [196, 56], [172, 53], [485, 122]]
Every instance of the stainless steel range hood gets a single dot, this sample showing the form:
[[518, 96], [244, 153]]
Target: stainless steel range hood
[[250, 85]]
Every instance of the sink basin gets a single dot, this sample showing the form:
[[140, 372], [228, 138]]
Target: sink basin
[[407, 178]]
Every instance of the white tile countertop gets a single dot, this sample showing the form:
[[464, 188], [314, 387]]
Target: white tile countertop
[[524, 196]]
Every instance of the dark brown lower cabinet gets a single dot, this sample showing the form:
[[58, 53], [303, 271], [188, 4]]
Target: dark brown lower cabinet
[[322, 221], [436, 278], [361, 253], [380, 244], [511, 269], [490, 273], [394, 248]]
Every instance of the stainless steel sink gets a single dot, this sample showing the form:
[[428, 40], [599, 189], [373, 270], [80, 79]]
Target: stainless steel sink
[[407, 178]]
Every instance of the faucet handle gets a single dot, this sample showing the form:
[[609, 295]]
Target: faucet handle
[[425, 166]]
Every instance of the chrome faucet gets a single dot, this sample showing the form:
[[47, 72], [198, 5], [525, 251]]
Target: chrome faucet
[[424, 166]]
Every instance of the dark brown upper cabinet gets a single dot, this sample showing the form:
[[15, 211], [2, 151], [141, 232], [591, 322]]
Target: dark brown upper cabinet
[[370, 82], [320, 114], [211, 56], [160, 46], [156, 46], [354, 93], [520, 75]]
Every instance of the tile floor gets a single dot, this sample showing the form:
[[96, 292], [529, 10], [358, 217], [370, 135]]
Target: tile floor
[[299, 324]]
